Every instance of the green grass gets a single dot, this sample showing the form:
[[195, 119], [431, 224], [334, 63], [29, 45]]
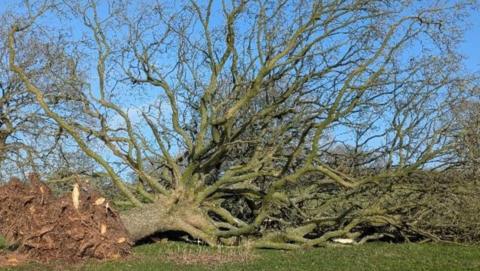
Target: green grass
[[3, 243], [374, 256]]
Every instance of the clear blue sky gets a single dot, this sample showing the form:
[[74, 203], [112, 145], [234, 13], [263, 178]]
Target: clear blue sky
[[471, 45]]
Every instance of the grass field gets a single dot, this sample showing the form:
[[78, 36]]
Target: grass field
[[374, 256]]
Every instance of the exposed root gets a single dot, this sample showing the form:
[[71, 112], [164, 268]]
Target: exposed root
[[73, 227]]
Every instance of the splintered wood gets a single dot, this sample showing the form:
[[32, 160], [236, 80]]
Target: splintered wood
[[76, 196]]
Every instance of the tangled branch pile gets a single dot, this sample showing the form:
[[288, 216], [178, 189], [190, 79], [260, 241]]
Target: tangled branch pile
[[44, 227], [421, 206], [447, 205]]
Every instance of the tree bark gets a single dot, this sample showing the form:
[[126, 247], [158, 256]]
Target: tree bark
[[144, 221], [147, 220]]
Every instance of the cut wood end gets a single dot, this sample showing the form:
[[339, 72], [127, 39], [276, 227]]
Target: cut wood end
[[76, 196], [99, 201], [121, 240], [12, 260], [343, 240], [103, 229]]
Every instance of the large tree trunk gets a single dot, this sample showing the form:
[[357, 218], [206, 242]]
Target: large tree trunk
[[158, 217]]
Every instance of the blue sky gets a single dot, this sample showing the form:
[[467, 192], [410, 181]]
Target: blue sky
[[471, 45]]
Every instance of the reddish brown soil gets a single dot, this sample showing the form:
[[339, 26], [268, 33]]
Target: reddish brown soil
[[12, 259], [43, 227]]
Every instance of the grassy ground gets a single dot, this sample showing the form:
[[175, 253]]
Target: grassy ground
[[374, 256]]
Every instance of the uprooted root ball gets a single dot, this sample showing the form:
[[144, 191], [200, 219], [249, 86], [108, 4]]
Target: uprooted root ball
[[76, 226]]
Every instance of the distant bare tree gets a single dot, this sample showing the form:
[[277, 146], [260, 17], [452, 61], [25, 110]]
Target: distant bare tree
[[467, 117], [29, 140]]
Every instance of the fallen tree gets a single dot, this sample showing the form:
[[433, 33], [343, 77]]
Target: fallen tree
[[250, 115], [81, 224]]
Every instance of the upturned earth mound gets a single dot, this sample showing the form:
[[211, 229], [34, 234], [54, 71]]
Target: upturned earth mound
[[77, 226]]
